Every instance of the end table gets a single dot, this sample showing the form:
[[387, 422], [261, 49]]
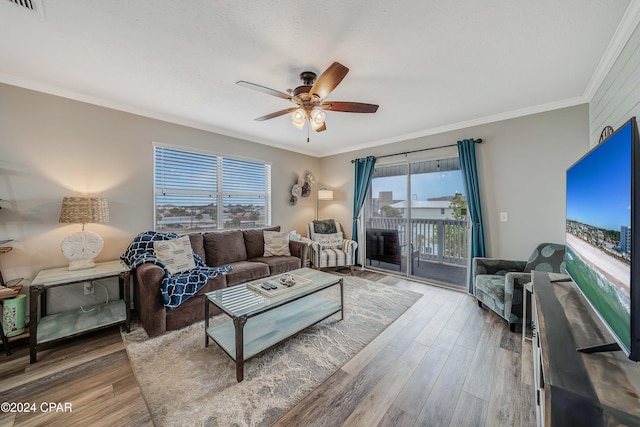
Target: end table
[[46, 329]]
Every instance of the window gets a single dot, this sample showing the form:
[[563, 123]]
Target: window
[[197, 191]]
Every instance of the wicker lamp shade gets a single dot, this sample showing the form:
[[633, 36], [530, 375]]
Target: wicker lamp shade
[[83, 210]]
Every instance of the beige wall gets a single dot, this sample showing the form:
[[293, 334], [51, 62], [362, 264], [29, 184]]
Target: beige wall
[[521, 164], [52, 147]]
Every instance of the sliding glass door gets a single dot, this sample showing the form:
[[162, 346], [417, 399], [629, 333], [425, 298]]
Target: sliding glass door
[[416, 221]]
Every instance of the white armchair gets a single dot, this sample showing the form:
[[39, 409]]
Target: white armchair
[[329, 247]]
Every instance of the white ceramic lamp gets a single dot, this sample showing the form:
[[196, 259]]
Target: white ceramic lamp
[[82, 247]]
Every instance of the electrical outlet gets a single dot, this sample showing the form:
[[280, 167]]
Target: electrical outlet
[[89, 288]]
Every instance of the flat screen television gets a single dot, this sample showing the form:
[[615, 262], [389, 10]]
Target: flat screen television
[[603, 216]]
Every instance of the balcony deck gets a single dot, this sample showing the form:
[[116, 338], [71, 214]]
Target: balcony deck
[[449, 274], [441, 245]]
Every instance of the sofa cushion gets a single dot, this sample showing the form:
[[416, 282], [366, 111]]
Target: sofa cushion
[[197, 244], [245, 271], [491, 285], [254, 241], [332, 257], [175, 254], [224, 247], [276, 244], [192, 309], [279, 264]]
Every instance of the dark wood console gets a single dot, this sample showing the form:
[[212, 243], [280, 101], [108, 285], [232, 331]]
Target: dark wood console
[[574, 388]]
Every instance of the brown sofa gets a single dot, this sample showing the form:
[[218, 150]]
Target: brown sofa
[[242, 249]]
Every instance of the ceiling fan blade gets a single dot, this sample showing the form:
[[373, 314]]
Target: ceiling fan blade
[[321, 128], [264, 89], [349, 107], [328, 80], [276, 114]]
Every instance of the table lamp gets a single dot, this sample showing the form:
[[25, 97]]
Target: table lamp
[[82, 247]]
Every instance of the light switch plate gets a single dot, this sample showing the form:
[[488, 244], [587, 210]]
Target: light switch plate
[[504, 216]]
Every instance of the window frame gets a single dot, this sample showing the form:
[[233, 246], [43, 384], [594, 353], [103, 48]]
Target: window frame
[[219, 194]]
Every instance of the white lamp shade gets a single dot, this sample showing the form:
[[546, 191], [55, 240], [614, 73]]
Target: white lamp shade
[[324, 194], [298, 117], [317, 118]]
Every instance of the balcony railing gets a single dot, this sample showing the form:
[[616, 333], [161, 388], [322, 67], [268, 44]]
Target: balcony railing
[[437, 240]]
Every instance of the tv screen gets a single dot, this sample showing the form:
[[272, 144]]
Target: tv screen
[[600, 235]]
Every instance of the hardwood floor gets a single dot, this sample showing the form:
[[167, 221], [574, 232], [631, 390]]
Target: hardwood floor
[[91, 373], [444, 362]]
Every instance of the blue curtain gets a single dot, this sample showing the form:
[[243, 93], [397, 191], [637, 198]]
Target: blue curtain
[[467, 155], [363, 171]]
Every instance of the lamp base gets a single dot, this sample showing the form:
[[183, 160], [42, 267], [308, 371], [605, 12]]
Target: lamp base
[[81, 248], [81, 264]]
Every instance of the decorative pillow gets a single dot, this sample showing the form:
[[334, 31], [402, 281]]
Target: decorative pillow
[[276, 243], [325, 226], [294, 236], [175, 254], [333, 240]]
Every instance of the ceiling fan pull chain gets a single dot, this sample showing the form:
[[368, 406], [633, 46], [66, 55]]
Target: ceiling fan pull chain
[[308, 126]]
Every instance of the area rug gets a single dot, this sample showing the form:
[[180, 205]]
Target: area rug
[[186, 383]]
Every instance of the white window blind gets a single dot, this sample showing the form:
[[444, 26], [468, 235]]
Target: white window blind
[[199, 192]]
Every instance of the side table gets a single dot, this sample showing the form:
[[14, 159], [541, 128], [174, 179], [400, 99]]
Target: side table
[[46, 329], [9, 289], [15, 291]]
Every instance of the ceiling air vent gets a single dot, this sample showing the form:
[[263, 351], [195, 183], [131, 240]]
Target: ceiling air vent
[[24, 3], [32, 5]]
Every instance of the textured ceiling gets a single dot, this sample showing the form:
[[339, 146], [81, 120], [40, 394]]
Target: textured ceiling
[[430, 65]]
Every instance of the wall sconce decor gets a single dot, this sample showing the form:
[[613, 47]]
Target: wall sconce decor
[[302, 188]]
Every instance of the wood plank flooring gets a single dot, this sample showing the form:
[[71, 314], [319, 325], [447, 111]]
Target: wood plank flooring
[[92, 373], [444, 362]]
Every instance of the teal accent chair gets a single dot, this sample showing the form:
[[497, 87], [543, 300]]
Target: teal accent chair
[[498, 284]]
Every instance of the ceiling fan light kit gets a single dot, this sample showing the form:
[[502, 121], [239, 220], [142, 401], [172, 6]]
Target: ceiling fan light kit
[[317, 118], [310, 98], [298, 117]]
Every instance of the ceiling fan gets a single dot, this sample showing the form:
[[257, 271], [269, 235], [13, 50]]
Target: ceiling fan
[[309, 98]]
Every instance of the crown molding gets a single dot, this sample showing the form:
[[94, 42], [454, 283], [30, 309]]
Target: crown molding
[[127, 108], [556, 105]]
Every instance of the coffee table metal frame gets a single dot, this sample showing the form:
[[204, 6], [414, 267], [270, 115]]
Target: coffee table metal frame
[[306, 307]]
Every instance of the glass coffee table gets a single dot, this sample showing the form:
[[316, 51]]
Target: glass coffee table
[[260, 320]]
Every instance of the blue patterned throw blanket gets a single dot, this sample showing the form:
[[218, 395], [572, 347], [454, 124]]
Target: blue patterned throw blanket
[[179, 287]]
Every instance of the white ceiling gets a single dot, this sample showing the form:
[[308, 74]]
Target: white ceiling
[[431, 65]]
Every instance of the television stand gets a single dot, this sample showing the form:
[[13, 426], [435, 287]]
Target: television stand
[[575, 388]]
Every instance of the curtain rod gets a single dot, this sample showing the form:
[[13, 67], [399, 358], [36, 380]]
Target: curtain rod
[[477, 141]]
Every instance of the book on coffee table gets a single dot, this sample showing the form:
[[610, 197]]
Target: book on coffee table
[[277, 286]]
